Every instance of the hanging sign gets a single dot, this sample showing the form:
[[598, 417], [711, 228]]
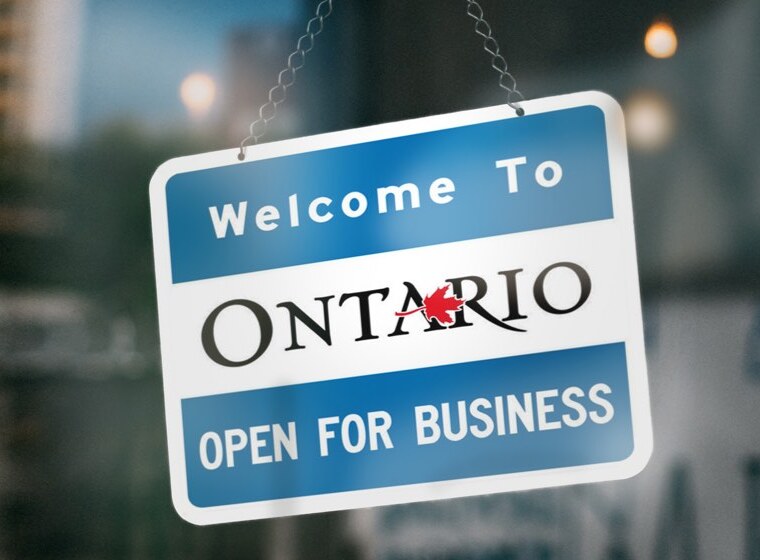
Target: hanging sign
[[440, 307]]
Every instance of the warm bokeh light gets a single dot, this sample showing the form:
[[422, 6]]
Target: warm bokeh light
[[650, 121], [660, 40], [197, 93]]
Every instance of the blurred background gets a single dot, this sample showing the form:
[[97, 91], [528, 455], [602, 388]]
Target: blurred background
[[94, 94]]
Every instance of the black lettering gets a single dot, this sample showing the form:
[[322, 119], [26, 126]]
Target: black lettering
[[512, 301], [540, 296], [295, 312], [363, 298], [480, 290], [209, 342], [413, 297]]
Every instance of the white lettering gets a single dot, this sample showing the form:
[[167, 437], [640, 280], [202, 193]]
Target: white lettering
[[499, 407], [293, 207], [541, 174], [229, 217], [266, 217], [439, 189], [522, 411], [477, 413], [542, 409], [361, 433], [426, 417], [256, 444], [593, 396], [567, 400], [359, 210], [316, 216], [461, 422], [234, 440], [218, 455], [379, 424], [398, 196], [325, 434], [511, 165]]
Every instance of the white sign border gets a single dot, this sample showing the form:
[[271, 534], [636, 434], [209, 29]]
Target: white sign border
[[636, 362]]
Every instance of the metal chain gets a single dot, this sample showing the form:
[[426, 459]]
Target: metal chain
[[305, 44], [506, 80], [287, 76]]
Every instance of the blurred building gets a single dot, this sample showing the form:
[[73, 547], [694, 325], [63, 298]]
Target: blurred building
[[40, 51]]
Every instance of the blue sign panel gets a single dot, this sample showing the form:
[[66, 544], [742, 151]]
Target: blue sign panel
[[525, 413], [464, 155]]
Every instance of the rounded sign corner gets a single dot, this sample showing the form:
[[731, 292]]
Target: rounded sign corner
[[637, 461], [188, 511], [162, 174], [608, 104]]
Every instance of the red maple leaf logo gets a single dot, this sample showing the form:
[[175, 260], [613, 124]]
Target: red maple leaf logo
[[437, 306]]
